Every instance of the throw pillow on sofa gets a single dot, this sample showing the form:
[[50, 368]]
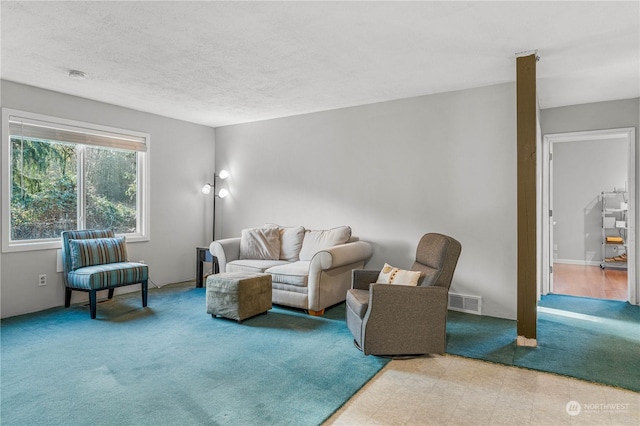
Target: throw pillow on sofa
[[260, 244], [291, 238], [315, 241]]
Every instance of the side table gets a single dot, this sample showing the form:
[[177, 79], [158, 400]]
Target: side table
[[204, 255]]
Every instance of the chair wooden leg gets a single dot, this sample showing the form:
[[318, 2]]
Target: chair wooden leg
[[92, 303], [67, 297], [145, 291], [110, 295], [316, 313]]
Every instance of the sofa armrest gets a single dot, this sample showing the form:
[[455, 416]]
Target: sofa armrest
[[341, 255], [330, 273], [361, 279], [225, 250]]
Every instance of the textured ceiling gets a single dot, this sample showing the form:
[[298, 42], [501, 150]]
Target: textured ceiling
[[220, 63]]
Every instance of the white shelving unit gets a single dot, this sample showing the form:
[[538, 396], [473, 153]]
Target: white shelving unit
[[614, 229]]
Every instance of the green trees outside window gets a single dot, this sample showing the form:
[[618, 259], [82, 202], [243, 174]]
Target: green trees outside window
[[47, 197], [111, 186]]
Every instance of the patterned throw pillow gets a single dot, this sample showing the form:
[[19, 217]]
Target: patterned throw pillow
[[97, 251], [393, 275]]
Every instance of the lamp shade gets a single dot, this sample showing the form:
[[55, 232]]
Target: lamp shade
[[206, 189], [223, 193], [223, 174]]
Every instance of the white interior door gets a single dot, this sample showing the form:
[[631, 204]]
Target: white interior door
[[547, 220], [552, 245]]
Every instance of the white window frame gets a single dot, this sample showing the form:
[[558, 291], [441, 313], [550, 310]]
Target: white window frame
[[142, 207]]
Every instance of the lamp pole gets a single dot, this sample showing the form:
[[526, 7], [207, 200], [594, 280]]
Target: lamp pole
[[221, 193], [207, 188], [213, 232]]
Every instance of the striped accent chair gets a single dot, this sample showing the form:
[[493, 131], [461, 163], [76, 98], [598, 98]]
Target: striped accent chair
[[97, 260]]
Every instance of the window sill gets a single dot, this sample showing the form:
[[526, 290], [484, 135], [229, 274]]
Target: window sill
[[56, 244]]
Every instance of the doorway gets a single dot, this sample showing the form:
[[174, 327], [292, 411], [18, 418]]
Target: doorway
[[588, 209]]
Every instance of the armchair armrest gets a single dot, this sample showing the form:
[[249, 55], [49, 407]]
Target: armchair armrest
[[225, 250], [395, 301], [361, 279], [401, 316]]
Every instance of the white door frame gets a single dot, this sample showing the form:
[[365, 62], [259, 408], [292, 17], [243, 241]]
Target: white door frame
[[546, 251]]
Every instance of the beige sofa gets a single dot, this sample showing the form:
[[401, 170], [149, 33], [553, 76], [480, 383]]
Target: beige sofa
[[310, 269]]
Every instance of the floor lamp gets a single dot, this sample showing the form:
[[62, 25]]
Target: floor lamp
[[206, 189]]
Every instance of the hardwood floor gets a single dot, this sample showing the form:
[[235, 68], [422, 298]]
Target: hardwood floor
[[590, 281]]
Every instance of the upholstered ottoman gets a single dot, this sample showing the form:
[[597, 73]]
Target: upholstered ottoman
[[238, 295]]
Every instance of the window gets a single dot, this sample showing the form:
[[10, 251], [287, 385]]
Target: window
[[62, 175]]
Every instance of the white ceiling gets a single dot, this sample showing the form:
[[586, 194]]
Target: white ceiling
[[220, 63]]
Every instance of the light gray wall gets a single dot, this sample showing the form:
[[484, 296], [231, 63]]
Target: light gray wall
[[597, 116], [392, 171], [582, 170], [181, 161]]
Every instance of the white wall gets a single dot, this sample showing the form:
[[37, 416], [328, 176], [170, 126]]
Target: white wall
[[598, 116], [581, 171], [181, 161], [392, 171]]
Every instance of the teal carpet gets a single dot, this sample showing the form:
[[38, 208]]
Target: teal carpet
[[590, 339], [172, 364]]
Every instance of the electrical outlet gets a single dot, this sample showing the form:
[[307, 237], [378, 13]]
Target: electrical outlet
[[42, 280], [141, 261]]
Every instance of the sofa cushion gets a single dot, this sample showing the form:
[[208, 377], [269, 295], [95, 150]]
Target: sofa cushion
[[295, 273], [97, 251], [315, 241], [291, 238], [260, 243], [252, 265], [393, 275]]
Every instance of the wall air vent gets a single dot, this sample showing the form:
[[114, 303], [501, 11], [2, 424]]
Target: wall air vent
[[465, 303]]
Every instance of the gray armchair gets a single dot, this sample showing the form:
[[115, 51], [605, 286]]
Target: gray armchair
[[397, 320]]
